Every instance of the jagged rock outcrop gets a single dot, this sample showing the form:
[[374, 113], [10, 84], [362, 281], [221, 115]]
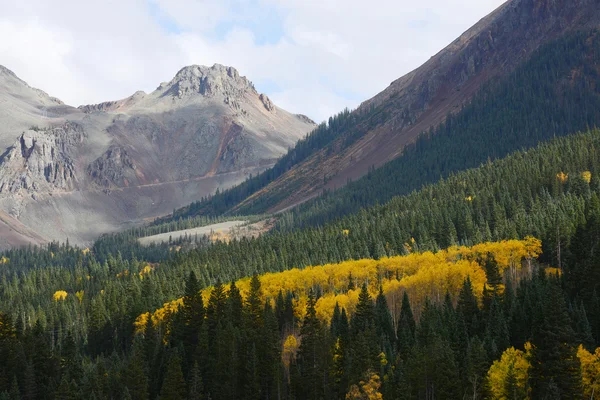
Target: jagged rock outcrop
[[208, 81], [267, 102], [42, 160], [112, 168], [304, 118]]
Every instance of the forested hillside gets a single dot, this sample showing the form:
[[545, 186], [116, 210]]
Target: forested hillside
[[553, 94], [68, 318]]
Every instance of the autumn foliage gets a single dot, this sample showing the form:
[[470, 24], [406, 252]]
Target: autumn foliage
[[420, 275]]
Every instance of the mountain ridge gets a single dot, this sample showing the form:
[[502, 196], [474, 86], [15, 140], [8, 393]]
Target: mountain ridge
[[206, 128], [422, 99]]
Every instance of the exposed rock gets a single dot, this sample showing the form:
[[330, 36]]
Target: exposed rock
[[209, 82], [267, 102], [304, 118], [41, 160], [140, 157], [112, 168]]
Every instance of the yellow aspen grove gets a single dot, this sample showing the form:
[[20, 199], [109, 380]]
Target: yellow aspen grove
[[510, 374], [420, 275], [79, 294], [290, 348], [562, 177], [590, 371], [59, 295], [368, 390]]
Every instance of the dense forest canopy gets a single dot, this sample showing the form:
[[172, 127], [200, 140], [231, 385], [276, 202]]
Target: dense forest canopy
[[69, 319]]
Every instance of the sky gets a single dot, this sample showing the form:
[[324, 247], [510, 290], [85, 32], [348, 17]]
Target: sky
[[314, 57]]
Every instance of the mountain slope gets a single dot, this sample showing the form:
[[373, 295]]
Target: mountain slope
[[382, 126], [79, 172]]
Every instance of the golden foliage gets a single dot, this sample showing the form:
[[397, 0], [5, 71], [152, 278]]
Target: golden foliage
[[290, 348], [586, 176], [421, 275], [562, 177], [85, 251], [145, 271], [79, 296], [590, 371], [512, 359], [123, 274], [367, 391], [158, 316], [345, 232], [4, 260], [59, 295]]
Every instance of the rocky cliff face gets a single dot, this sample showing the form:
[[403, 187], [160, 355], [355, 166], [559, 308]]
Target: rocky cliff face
[[209, 82], [113, 168], [41, 160], [86, 170]]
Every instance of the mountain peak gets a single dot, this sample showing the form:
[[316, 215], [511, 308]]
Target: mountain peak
[[8, 72], [207, 81], [9, 79]]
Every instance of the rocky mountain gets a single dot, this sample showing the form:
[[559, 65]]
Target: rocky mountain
[[79, 172], [382, 126]]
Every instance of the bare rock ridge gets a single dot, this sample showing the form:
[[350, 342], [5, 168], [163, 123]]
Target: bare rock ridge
[[216, 80], [112, 105], [41, 160], [79, 172]]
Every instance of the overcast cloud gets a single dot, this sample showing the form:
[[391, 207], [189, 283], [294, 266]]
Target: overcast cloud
[[310, 56]]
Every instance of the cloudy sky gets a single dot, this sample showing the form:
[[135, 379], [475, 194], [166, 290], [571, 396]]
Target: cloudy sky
[[310, 56]]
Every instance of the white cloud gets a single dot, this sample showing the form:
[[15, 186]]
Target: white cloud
[[323, 55]]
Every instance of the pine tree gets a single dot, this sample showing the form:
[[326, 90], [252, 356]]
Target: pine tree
[[468, 308], [135, 372], [234, 305], [583, 329], [383, 318], [173, 387], [270, 354], [406, 328], [310, 362], [476, 367], [254, 305], [195, 385], [364, 314], [192, 312], [555, 367], [14, 393]]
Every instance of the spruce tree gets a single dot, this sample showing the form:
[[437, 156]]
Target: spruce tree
[[555, 367], [311, 357], [406, 328], [173, 387], [195, 384]]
